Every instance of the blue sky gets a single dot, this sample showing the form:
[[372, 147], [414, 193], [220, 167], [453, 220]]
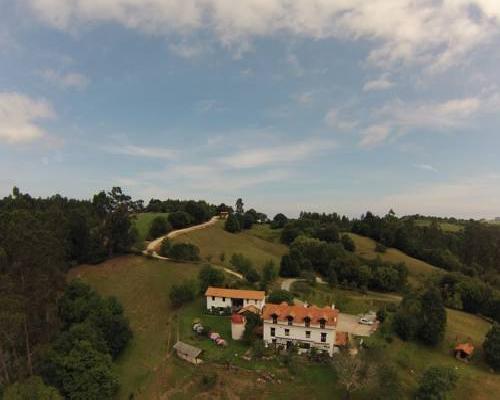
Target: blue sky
[[309, 104]]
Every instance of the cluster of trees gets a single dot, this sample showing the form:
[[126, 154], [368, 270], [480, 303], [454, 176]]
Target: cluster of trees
[[421, 316], [241, 219], [245, 267], [77, 363], [199, 211], [338, 265], [39, 240], [473, 250], [470, 294], [491, 347], [179, 251]]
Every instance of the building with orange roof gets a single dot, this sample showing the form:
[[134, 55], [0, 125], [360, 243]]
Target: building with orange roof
[[235, 299], [304, 326], [464, 351]]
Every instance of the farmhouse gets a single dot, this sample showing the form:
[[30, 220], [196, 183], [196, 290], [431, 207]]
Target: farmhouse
[[307, 327], [221, 299]]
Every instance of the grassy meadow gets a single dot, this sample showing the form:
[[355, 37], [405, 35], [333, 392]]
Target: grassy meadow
[[142, 222], [256, 244], [445, 226]]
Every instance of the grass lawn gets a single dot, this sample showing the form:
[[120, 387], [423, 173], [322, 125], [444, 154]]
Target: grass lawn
[[418, 270], [214, 240], [143, 222], [445, 226]]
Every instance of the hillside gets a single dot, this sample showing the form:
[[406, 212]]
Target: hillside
[[142, 222], [256, 244], [418, 270]]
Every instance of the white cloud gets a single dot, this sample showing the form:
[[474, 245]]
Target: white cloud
[[65, 80], [381, 83], [140, 151], [19, 115], [304, 98], [374, 135], [425, 167], [285, 153], [334, 120], [186, 49], [437, 34]]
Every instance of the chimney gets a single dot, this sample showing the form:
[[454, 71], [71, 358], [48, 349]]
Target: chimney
[[333, 306], [305, 304]]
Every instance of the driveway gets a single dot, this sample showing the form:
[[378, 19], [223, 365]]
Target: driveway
[[349, 323]]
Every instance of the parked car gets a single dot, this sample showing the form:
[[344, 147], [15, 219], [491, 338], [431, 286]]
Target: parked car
[[365, 321]]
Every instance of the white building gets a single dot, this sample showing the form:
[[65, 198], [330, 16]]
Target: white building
[[304, 326], [220, 298]]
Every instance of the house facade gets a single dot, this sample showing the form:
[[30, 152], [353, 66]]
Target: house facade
[[306, 327], [221, 298]]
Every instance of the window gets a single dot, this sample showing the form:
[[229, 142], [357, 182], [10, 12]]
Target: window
[[290, 320], [322, 323], [287, 332], [273, 331], [275, 318], [323, 337], [213, 298], [223, 299], [308, 334], [307, 321]]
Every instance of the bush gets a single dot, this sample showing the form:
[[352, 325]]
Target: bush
[[491, 347], [179, 219], [184, 252], [31, 389], [289, 268], [165, 247], [436, 382], [232, 225], [159, 227], [348, 243], [279, 296], [380, 248], [210, 276], [279, 221], [182, 294]]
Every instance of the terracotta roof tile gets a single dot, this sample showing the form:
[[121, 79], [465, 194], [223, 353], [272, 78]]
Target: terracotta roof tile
[[236, 293], [467, 348], [283, 310]]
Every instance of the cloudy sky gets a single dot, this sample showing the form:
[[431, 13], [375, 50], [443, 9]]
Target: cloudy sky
[[328, 105]]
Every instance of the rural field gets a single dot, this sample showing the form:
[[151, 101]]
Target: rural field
[[418, 270], [258, 244]]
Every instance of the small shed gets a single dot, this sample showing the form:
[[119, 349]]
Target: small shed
[[464, 351], [188, 352], [238, 323]]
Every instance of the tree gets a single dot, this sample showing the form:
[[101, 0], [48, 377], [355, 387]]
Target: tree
[[389, 385], [432, 317], [182, 293], [179, 219], [159, 227], [279, 221], [32, 388], [82, 373], [268, 273], [353, 372], [289, 268], [436, 382], [280, 296], [328, 233], [210, 276], [239, 207], [184, 252], [232, 225], [348, 243], [198, 211], [491, 347]]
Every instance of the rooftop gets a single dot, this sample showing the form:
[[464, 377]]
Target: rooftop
[[299, 313], [467, 348], [185, 348], [236, 293]]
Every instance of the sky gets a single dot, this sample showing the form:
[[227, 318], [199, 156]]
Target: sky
[[318, 105]]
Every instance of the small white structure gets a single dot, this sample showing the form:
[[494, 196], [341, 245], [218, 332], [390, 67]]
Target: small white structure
[[188, 352], [306, 327], [220, 298], [238, 322]]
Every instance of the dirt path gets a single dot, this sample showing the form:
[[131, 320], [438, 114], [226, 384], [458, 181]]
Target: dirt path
[[153, 247]]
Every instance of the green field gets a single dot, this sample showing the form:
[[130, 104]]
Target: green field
[[445, 226], [256, 244], [418, 270], [143, 221]]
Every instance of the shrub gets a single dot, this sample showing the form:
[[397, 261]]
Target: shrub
[[436, 382], [210, 276], [491, 347], [279, 296], [232, 225], [179, 219], [31, 388], [184, 252], [348, 243], [165, 247], [159, 227], [182, 293]]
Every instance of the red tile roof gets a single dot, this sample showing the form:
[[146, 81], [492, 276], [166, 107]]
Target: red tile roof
[[235, 293], [237, 319], [299, 313], [467, 348]]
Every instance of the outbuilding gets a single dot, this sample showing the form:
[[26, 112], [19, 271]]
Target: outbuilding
[[233, 299], [188, 352]]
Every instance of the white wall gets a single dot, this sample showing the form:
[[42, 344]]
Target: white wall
[[298, 333], [224, 302]]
